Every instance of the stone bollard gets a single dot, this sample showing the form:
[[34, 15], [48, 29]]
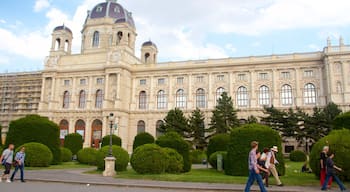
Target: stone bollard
[[109, 167]]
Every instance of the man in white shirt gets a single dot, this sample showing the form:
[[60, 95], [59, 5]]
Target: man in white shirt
[[6, 160], [271, 163]]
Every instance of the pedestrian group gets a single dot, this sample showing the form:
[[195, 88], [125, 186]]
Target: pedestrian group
[[8, 160]]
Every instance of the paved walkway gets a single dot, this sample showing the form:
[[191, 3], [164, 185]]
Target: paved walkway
[[78, 177]]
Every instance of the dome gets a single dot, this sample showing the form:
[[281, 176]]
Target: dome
[[112, 9], [62, 27], [149, 43]]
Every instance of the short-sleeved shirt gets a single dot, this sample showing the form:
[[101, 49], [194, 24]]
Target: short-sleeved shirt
[[323, 157], [330, 165], [8, 156]]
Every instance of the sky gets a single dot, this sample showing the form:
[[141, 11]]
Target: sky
[[182, 29]]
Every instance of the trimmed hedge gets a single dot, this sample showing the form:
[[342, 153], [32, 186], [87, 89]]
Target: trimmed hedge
[[175, 141], [175, 162], [141, 139], [297, 156], [121, 155], [239, 147], [342, 121], [213, 159], [66, 155], [197, 156], [218, 142], [37, 155], [35, 128], [115, 140], [149, 159], [1, 149], [73, 142], [338, 142], [87, 156]]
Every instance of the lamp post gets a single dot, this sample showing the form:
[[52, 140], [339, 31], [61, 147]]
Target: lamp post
[[111, 119], [110, 160]]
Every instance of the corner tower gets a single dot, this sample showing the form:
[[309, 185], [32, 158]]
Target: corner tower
[[149, 52], [61, 41], [108, 25]]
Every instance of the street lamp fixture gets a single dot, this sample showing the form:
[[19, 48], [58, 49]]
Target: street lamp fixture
[[110, 160], [111, 122]]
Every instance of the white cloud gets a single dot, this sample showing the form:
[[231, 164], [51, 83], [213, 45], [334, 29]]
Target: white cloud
[[2, 21], [41, 5]]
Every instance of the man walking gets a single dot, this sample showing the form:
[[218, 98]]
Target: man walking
[[6, 160], [19, 159], [254, 173], [271, 163], [323, 160], [330, 169]]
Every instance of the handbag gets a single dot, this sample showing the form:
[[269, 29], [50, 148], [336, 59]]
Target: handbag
[[15, 164]]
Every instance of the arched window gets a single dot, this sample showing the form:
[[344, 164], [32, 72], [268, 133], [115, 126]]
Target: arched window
[[66, 100], [96, 39], [339, 87], [309, 94], [143, 100], [82, 99], [286, 95], [158, 126], [161, 100], [96, 133], [141, 127], [119, 37], [147, 55], [219, 92], [57, 44], [80, 127], [242, 97], [200, 98], [180, 99], [66, 45], [64, 126], [99, 99], [264, 95]]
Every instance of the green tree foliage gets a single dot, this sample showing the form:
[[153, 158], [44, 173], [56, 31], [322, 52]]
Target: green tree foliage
[[115, 140], [37, 155], [175, 141], [149, 159], [197, 156], [175, 121], [218, 143], [213, 159], [87, 156], [34, 128], [297, 156], [175, 162], [197, 129], [66, 155], [224, 115], [338, 142], [120, 154], [252, 119], [141, 139], [342, 121], [239, 147], [73, 142]]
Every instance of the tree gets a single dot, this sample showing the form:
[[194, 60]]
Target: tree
[[197, 129], [175, 121], [331, 112], [252, 120], [224, 115], [73, 142]]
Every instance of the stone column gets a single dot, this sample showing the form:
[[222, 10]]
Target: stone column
[[109, 167]]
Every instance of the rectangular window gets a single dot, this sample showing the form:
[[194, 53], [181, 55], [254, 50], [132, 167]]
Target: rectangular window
[[242, 77], [66, 82], [161, 81], [263, 76], [180, 80], [143, 82], [99, 81], [308, 73], [82, 81], [285, 75], [220, 77], [200, 79]]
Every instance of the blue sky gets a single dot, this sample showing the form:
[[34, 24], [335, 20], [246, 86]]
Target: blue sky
[[182, 29]]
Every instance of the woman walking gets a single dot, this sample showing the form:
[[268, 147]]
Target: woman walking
[[331, 172], [19, 164]]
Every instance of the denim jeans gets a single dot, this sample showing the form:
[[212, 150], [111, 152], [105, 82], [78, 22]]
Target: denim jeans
[[21, 168], [336, 179], [252, 177]]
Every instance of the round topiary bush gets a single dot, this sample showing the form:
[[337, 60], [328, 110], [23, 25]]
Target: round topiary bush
[[175, 141], [141, 139], [218, 142], [175, 162], [87, 156], [149, 159], [338, 142], [73, 142], [35, 128], [66, 155], [197, 156], [121, 155], [297, 156], [239, 147], [115, 140], [342, 121], [37, 155], [214, 157]]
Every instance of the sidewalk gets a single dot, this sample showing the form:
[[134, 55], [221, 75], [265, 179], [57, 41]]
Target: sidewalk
[[78, 177]]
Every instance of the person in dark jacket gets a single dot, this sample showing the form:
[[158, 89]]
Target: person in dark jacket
[[331, 172]]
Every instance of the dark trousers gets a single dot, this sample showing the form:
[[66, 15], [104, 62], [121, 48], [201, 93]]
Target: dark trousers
[[252, 177], [21, 168], [336, 179]]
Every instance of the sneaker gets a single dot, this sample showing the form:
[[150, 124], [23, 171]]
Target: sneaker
[[23, 181], [280, 185], [8, 181]]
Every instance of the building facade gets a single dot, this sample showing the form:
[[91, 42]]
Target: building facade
[[79, 91]]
